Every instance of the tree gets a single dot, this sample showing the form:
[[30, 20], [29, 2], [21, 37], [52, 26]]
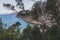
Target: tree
[[36, 10], [31, 33], [53, 7], [12, 7], [27, 33], [36, 34], [9, 6], [12, 33], [1, 26], [53, 33]]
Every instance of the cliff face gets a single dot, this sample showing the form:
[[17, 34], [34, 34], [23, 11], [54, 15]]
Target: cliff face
[[39, 15], [45, 18]]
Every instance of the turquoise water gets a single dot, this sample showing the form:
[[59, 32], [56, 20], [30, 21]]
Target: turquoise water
[[10, 19]]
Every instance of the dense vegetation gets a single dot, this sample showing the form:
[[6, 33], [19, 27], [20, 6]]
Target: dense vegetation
[[29, 33], [45, 16]]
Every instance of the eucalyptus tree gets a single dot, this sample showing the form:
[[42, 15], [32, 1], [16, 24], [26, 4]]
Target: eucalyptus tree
[[19, 4]]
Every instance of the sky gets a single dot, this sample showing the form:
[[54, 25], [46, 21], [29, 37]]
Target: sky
[[27, 4], [6, 11]]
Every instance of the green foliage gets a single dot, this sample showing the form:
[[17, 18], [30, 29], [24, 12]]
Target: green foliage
[[27, 33], [9, 6], [54, 8], [12, 33], [30, 33], [36, 10], [51, 4], [36, 34], [53, 32], [19, 4], [33, 33]]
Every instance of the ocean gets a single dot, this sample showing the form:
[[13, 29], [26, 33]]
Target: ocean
[[10, 19]]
